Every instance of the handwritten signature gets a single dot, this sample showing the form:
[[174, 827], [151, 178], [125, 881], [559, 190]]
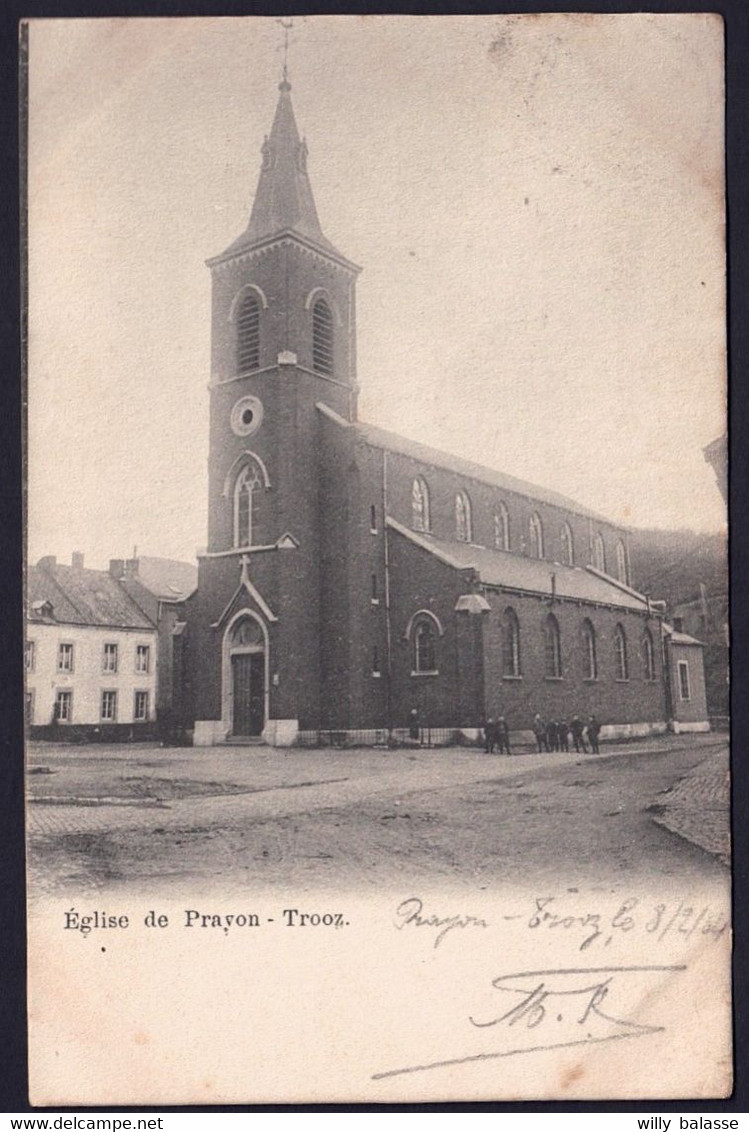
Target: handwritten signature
[[561, 1008]]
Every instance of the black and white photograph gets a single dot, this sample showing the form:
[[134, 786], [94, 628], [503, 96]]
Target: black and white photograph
[[377, 638]]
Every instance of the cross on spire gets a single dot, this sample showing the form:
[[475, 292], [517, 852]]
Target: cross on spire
[[287, 25]]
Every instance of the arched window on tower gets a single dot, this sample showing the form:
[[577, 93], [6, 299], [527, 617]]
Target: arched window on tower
[[620, 654], [590, 659], [248, 333], [502, 528], [599, 553], [510, 644], [536, 531], [246, 489], [322, 337], [552, 648], [420, 517], [648, 655], [622, 572], [568, 546], [463, 527]]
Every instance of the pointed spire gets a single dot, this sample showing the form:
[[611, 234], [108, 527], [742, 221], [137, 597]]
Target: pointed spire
[[284, 197]]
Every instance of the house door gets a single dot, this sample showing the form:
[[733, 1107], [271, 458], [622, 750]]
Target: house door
[[248, 686]]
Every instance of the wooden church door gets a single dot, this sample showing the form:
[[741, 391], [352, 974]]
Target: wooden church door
[[248, 679]]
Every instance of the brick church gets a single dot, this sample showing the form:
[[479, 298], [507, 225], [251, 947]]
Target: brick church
[[351, 575]]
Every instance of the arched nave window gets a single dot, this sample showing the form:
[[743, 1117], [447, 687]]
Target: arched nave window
[[620, 653], [502, 528], [590, 659], [622, 572], [648, 655], [424, 644], [463, 530], [599, 553], [552, 647], [568, 546], [536, 532], [420, 518], [510, 643]]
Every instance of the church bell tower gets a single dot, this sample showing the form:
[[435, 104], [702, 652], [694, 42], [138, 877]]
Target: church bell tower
[[282, 341]]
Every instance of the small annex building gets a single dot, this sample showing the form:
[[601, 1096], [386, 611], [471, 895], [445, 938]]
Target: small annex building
[[100, 647], [91, 656], [353, 576]]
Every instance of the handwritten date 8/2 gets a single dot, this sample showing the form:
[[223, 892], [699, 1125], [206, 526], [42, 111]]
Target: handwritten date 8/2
[[633, 914]]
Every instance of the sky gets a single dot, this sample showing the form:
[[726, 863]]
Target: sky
[[536, 202]]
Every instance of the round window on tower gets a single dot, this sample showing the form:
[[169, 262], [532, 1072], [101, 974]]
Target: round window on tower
[[246, 416]]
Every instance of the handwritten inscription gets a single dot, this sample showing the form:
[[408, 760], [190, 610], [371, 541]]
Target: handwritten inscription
[[411, 913], [680, 919], [557, 1009]]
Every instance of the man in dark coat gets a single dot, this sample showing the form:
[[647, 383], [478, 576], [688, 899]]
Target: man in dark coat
[[563, 733], [539, 730], [503, 736], [490, 736], [594, 730], [552, 735], [576, 727]]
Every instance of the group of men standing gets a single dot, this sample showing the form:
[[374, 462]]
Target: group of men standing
[[551, 735], [554, 735]]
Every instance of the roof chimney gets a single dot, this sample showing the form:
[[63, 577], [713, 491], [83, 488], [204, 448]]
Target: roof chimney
[[77, 560], [117, 568]]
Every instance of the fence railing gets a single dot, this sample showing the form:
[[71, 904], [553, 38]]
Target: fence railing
[[382, 737]]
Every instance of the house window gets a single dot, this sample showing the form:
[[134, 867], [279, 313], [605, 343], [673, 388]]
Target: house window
[[599, 553], [420, 517], [30, 656], [65, 658], [510, 644], [373, 519], [621, 563], [375, 661], [536, 532], [502, 528], [590, 660], [143, 658], [463, 532], [424, 645], [248, 334], [620, 651], [110, 658], [648, 655], [375, 591], [568, 546], [28, 707], [248, 483], [322, 337], [140, 708], [552, 648], [108, 707], [685, 692], [64, 707]]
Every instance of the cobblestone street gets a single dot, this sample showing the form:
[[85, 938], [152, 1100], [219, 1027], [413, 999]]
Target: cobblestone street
[[124, 816]]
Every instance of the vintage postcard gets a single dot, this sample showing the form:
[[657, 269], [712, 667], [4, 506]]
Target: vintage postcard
[[377, 641]]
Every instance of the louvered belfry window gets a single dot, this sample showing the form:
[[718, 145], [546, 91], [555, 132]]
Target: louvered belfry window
[[322, 337], [248, 334]]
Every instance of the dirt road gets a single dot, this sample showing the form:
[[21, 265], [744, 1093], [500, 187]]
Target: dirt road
[[115, 818]]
